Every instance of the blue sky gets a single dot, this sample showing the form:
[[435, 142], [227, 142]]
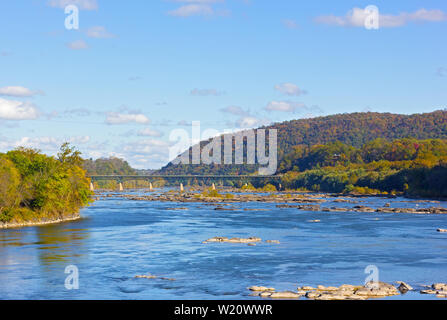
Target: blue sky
[[135, 70]]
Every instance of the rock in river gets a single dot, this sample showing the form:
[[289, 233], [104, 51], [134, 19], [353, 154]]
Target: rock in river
[[285, 295], [260, 289], [233, 240], [404, 287], [377, 289]]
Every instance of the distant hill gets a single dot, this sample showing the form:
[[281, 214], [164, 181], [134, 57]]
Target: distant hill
[[354, 129], [108, 166]]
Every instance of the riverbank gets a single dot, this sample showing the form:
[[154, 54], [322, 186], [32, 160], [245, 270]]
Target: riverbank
[[46, 221]]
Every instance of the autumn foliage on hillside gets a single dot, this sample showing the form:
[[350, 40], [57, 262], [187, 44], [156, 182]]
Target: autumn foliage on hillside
[[354, 129], [408, 166]]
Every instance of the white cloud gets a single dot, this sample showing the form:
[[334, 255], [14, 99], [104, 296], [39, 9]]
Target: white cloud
[[147, 153], [251, 122], [184, 123], [78, 139], [235, 110], [290, 24], [43, 143], [441, 72], [78, 112], [206, 92], [81, 4], [99, 32], [148, 132], [284, 106], [17, 110], [290, 89], [357, 16], [199, 1], [77, 45], [122, 118], [17, 91], [192, 10]]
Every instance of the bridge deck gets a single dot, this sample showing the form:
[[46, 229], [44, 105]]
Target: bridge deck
[[149, 177]]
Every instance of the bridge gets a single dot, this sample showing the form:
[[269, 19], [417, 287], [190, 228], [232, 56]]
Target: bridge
[[210, 179]]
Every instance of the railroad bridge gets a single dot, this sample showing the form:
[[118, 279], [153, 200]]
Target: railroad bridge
[[207, 179]]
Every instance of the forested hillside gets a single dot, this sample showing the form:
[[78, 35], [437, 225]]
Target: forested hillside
[[408, 166], [108, 167], [353, 129]]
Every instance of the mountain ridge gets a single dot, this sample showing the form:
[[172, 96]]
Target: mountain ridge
[[353, 129]]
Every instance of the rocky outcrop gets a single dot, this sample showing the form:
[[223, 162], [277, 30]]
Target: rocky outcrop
[[145, 276], [260, 289], [377, 289], [151, 276], [232, 240], [284, 295], [344, 292], [404, 287]]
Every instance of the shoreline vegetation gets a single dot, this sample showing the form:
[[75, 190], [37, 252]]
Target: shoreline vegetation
[[38, 189]]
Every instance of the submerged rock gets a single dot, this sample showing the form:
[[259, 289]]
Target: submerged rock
[[266, 294], [428, 291], [144, 276], [335, 209], [312, 295], [306, 288], [233, 240], [285, 295], [309, 207], [260, 289], [363, 209]]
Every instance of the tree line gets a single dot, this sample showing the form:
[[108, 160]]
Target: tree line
[[36, 187], [407, 166]]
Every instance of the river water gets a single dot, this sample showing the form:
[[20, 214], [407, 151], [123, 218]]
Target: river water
[[118, 239]]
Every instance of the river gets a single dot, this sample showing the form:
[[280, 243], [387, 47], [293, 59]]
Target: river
[[117, 239]]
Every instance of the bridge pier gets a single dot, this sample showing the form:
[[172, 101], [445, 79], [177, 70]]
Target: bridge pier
[[121, 187], [150, 186]]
